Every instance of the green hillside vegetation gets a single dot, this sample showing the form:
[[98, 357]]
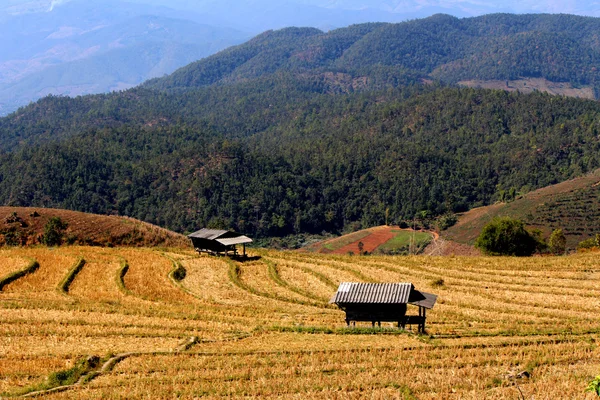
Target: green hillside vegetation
[[404, 242], [269, 140], [572, 206], [377, 240]]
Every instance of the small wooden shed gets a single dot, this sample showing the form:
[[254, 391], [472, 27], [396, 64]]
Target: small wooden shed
[[217, 242], [376, 302]]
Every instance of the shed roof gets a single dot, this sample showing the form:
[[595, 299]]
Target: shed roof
[[210, 234], [423, 299], [236, 240], [382, 293]]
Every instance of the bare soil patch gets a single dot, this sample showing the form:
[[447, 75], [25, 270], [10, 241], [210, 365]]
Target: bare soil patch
[[529, 85]]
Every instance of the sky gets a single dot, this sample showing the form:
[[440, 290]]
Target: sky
[[456, 7]]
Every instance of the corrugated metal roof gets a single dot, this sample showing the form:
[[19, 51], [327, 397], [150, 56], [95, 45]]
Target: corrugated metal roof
[[375, 293], [382, 293], [210, 234], [236, 240], [422, 299]]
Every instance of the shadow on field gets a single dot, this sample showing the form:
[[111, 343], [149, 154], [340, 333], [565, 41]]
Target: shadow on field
[[244, 259]]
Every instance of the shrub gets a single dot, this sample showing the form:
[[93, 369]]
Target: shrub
[[557, 242], [594, 386], [436, 283], [446, 221], [12, 237], [53, 232], [508, 237], [538, 235], [179, 273], [587, 244]]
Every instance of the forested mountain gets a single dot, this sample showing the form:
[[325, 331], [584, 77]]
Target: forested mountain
[[295, 132], [560, 48]]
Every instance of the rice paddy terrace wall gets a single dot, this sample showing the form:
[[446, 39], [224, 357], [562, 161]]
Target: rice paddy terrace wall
[[133, 325]]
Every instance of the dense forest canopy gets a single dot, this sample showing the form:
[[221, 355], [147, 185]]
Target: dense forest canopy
[[304, 131]]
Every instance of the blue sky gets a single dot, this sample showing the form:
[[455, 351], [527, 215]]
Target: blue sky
[[474, 7], [457, 7]]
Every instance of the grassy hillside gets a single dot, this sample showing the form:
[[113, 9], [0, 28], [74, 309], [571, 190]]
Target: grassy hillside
[[264, 328], [26, 225], [573, 206]]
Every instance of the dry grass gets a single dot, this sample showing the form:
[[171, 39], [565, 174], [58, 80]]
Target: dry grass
[[54, 265], [267, 332], [92, 229], [9, 264], [148, 277]]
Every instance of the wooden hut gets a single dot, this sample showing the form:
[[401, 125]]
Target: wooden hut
[[217, 242], [376, 302]]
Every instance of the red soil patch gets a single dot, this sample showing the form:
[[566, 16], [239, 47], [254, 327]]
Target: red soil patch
[[87, 229], [378, 236]]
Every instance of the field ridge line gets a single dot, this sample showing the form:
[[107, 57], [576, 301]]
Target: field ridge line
[[234, 272], [109, 365], [120, 278], [275, 277], [178, 266], [63, 286], [10, 278]]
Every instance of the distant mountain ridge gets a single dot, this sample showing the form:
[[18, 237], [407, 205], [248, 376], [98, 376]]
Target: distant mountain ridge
[[83, 48], [559, 48]]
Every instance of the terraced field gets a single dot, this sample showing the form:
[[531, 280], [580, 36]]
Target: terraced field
[[503, 328], [573, 206]]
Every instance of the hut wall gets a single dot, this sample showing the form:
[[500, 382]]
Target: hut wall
[[374, 312], [210, 245]]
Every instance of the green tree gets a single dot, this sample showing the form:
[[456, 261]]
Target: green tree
[[506, 237], [53, 232], [557, 242]]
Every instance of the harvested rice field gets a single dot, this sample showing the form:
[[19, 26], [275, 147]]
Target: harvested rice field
[[122, 323]]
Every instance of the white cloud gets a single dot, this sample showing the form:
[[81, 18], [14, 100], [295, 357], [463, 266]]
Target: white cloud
[[54, 3]]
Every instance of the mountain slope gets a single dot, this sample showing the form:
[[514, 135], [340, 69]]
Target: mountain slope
[[82, 48], [26, 226], [274, 163], [555, 47], [573, 206], [272, 138]]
